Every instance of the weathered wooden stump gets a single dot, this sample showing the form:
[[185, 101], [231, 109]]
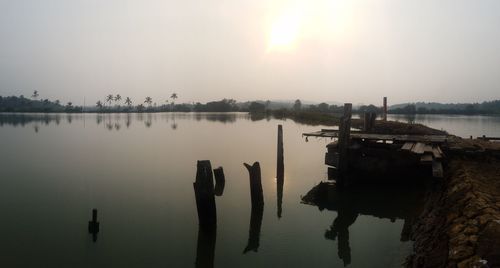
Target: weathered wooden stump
[[220, 181], [256, 192], [257, 197], [94, 225], [204, 194]]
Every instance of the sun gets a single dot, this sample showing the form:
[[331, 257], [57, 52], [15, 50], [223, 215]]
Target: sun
[[284, 31]]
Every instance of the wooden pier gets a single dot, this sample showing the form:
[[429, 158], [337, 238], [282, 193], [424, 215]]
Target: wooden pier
[[362, 151]]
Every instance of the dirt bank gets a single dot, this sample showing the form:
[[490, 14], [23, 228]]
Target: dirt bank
[[460, 223]]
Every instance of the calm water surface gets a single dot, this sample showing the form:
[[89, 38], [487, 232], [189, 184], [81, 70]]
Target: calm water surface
[[138, 170], [460, 125]]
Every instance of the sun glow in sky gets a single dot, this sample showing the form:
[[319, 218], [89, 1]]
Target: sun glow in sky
[[285, 31], [317, 50]]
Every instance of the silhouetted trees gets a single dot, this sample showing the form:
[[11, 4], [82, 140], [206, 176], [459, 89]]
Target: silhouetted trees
[[225, 105], [297, 105], [128, 101], [256, 107], [109, 99], [22, 104]]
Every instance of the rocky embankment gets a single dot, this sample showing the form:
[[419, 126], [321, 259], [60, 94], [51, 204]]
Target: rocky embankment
[[460, 223]]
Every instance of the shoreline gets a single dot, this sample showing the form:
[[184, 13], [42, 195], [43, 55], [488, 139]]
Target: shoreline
[[460, 222]]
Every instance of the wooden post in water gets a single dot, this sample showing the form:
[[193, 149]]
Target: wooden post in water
[[280, 165], [257, 197], [280, 171], [343, 143], [385, 109], [204, 194], [256, 193], [220, 181]]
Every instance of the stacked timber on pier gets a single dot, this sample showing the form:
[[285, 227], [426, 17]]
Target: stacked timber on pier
[[428, 153]]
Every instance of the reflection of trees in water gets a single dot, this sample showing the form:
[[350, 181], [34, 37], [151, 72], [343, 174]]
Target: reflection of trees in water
[[410, 118], [98, 119], [127, 121], [25, 119], [116, 121]]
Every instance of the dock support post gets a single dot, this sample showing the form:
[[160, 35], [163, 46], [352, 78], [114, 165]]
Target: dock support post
[[343, 142], [204, 194], [369, 121], [280, 171], [385, 108]]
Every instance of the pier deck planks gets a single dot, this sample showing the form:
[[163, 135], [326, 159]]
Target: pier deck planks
[[382, 137]]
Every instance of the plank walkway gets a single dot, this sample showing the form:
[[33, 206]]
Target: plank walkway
[[381, 137]]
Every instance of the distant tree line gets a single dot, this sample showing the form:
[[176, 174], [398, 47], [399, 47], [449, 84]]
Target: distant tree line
[[118, 104], [487, 107], [23, 104]]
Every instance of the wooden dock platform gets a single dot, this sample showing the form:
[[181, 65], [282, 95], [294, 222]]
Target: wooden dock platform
[[362, 151], [380, 137]]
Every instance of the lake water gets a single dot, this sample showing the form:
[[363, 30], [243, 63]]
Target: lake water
[[138, 170], [460, 125]]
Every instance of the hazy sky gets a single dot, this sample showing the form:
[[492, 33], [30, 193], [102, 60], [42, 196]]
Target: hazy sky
[[357, 51]]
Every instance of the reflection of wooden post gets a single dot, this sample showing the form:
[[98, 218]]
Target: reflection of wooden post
[[94, 225], [385, 108], [204, 194], [343, 142], [205, 249], [256, 193], [254, 232], [280, 171], [220, 181]]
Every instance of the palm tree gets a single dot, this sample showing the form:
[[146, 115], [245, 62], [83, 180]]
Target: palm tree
[[128, 101], [148, 100], [173, 97], [99, 105], [35, 94], [109, 99], [118, 98]]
